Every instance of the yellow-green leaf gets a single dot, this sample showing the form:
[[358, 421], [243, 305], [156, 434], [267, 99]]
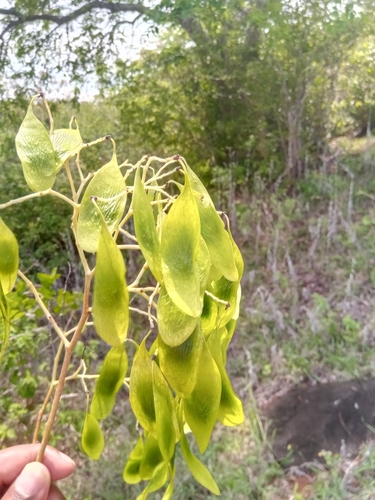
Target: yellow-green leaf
[[202, 406], [227, 291], [4, 321], [164, 413], [111, 379], [204, 265], [198, 470], [145, 228], [110, 306], [174, 325], [152, 457], [180, 364], [131, 473], [66, 142], [179, 248], [158, 480], [169, 491], [35, 150], [108, 186], [141, 389], [92, 438], [230, 411], [9, 257], [209, 315]]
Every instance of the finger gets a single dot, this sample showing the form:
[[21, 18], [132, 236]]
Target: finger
[[14, 459], [32, 484], [55, 493]]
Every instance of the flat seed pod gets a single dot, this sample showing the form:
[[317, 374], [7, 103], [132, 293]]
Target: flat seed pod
[[169, 491], [226, 337], [204, 265], [108, 186], [198, 470], [165, 413], [145, 228], [209, 315], [216, 237], [4, 321], [227, 291], [9, 257], [111, 379], [202, 406], [152, 457], [35, 150], [158, 480], [131, 473], [66, 142], [110, 307], [180, 364], [230, 411], [174, 325], [141, 390], [179, 248], [92, 438]]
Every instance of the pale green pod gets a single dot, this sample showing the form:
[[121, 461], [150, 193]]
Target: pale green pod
[[198, 470], [202, 406], [108, 186], [111, 379], [174, 325], [165, 413], [131, 473], [92, 438], [35, 150], [9, 257], [145, 228], [110, 307], [159, 478], [179, 249], [66, 142], [152, 457], [141, 390], [180, 364], [230, 411]]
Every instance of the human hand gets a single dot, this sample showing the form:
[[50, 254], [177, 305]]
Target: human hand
[[21, 478]]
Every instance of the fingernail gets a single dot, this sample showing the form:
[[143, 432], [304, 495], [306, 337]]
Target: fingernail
[[66, 458], [33, 479]]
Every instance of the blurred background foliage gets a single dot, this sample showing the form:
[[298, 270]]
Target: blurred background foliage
[[272, 102]]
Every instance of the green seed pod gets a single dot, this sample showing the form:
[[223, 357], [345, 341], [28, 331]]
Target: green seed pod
[[198, 470], [180, 364], [92, 438], [110, 306], [111, 379], [66, 142], [9, 257], [108, 186], [174, 325], [165, 413], [152, 457], [179, 249], [4, 321], [159, 478], [209, 315], [230, 411], [145, 228], [201, 407], [141, 390], [131, 473], [35, 150]]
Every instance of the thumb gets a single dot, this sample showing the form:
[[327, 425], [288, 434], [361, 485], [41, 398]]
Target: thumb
[[32, 484]]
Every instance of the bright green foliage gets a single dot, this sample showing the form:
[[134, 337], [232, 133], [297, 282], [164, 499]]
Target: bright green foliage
[[92, 438], [111, 297], [179, 250], [180, 383], [35, 150], [202, 405], [66, 143], [145, 229], [108, 186], [110, 380], [9, 258]]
